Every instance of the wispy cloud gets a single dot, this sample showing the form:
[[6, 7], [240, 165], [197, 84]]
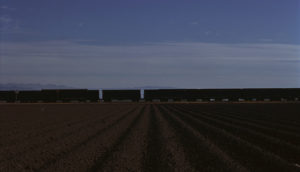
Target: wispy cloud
[[4, 7], [8, 25], [5, 19], [81, 24], [178, 64], [266, 40], [194, 23]]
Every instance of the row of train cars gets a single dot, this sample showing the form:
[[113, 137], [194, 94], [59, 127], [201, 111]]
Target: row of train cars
[[154, 95]]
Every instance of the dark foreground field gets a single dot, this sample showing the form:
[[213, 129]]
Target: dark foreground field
[[150, 137]]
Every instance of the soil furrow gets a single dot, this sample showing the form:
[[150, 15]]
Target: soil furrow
[[52, 123], [237, 147], [154, 160], [287, 136], [271, 144], [60, 149], [83, 157], [245, 116], [150, 136], [100, 161], [129, 155], [202, 153], [59, 136], [264, 113], [173, 150]]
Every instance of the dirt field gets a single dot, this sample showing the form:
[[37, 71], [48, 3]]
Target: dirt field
[[150, 137]]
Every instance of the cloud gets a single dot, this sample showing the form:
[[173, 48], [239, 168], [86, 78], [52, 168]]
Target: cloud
[[4, 7], [266, 40], [178, 64], [81, 24], [5, 19], [194, 23], [8, 25]]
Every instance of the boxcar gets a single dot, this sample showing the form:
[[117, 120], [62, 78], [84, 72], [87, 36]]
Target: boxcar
[[166, 95], [92, 95], [69, 95], [50, 95], [8, 96], [121, 95], [192, 94], [29, 96]]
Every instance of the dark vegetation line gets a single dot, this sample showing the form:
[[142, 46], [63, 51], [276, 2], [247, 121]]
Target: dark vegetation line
[[84, 142], [202, 154], [64, 136], [153, 160], [99, 162], [272, 144], [237, 147]]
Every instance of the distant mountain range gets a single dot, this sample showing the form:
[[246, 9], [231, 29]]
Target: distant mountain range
[[16, 86], [155, 87], [143, 87]]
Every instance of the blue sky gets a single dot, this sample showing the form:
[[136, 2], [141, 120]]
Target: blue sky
[[190, 44]]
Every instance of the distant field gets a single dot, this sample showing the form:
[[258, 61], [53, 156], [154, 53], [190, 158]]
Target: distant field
[[258, 137]]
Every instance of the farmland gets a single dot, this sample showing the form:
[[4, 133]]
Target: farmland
[[150, 137]]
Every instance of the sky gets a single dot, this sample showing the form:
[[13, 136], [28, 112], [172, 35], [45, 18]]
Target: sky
[[137, 43]]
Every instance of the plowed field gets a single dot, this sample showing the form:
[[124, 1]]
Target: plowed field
[[258, 137]]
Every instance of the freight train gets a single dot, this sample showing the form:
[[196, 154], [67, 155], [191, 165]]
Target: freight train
[[72, 95], [154, 95]]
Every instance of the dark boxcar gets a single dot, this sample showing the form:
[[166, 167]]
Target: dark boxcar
[[30, 96], [192, 94], [257, 94], [165, 94], [50, 95], [92, 95], [175, 94], [68, 95], [121, 95], [8, 96], [72, 95], [291, 93], [261, 94], [219, 94]]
